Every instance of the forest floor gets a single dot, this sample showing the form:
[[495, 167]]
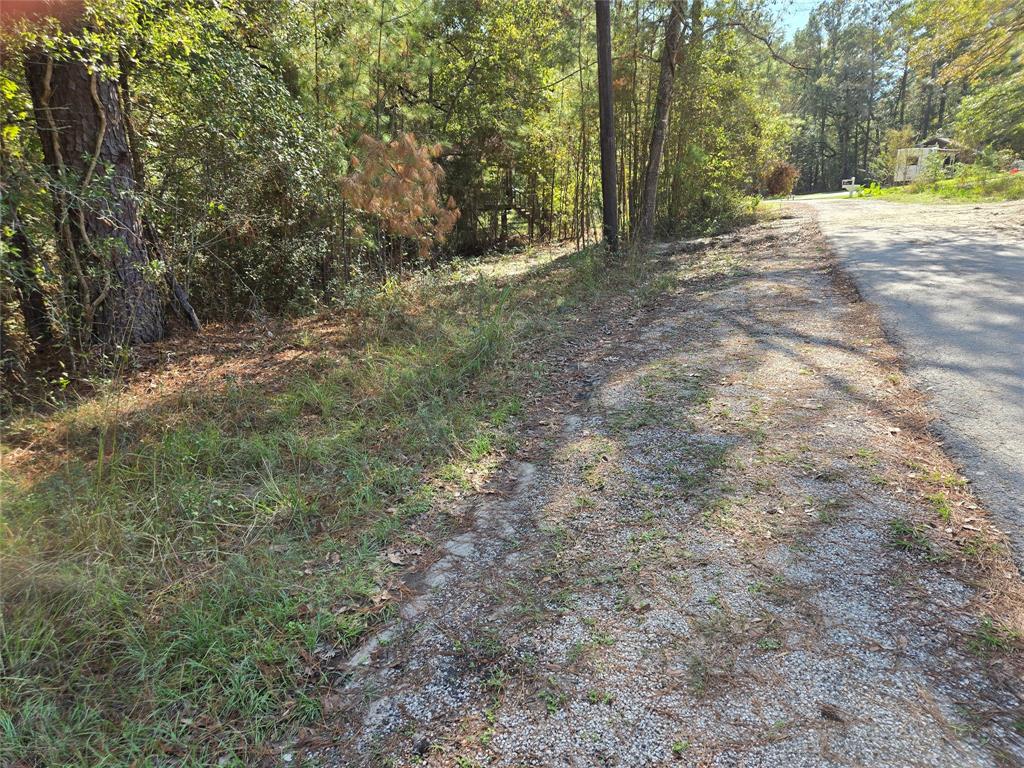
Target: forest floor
[[727, 537]]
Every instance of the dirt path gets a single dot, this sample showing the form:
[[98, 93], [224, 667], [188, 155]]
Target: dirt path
[[715, 546]]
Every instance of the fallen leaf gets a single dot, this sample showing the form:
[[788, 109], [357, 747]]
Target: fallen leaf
[[831, 712]]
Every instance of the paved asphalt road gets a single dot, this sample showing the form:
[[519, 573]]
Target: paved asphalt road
[[949, 282]]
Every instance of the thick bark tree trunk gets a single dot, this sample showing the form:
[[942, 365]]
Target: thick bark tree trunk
[[99, 228], [179, 296], [662, 106]]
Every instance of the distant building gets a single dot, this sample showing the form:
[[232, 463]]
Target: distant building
[[910, 161]]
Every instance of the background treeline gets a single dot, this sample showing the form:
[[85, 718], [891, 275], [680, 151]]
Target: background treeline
[[245, 158], [280, 150], [874, 76]]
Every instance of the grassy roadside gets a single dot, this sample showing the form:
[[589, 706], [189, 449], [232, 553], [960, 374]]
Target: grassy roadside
[[971, 184], [173, 583]]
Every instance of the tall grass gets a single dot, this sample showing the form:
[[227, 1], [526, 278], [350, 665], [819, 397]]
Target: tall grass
[[170, 589]]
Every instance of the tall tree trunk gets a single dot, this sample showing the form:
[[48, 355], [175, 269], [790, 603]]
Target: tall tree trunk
[[688, 68], [82, 130], [179, 296], [822, 183], [926, 122], [856, 146], [609, 205], [903, 90], [867, 137], [662, 106]]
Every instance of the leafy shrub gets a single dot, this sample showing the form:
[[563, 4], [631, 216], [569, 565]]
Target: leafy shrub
[[780, 178], [935, 168], [969, 182], [398, 183]]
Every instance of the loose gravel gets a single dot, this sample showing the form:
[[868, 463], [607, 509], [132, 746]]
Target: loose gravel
[[720, 544]]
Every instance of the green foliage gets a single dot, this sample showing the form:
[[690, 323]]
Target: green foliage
[[883, 165], [726, 135], [969, 183], [872, 78], [244, 116], [994, 115]]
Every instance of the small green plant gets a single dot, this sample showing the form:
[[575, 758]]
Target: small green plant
[[912, 538], [583, 503], [991, 637], [497, 681], [874, 189], [553, 700], [699, 675], [679, 748], [940, 503], [866, 457], [600, 697]]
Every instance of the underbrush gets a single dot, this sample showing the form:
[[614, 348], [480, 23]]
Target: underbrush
[[178, 588], [970, 183]]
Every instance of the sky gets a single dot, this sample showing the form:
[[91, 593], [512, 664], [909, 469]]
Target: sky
[[794, 14]]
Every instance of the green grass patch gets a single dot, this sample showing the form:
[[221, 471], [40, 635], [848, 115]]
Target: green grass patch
[[173, 589], [940, 503], [970, 184], [913, 538], [992, 637]]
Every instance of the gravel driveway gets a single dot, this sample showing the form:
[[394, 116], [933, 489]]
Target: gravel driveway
[[949, 280], [725, 538]]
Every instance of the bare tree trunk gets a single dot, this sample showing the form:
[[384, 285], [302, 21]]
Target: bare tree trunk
[[662, 105], [610, 208], [926, 121], [903, 90], [506, 205], [99, 228], [346, 265], [822, 183]]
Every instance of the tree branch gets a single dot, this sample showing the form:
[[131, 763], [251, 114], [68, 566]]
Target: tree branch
[[766, 41]]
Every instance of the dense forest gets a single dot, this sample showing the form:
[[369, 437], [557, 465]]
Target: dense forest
[[872, 77], [230, 159], [268, 155]]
